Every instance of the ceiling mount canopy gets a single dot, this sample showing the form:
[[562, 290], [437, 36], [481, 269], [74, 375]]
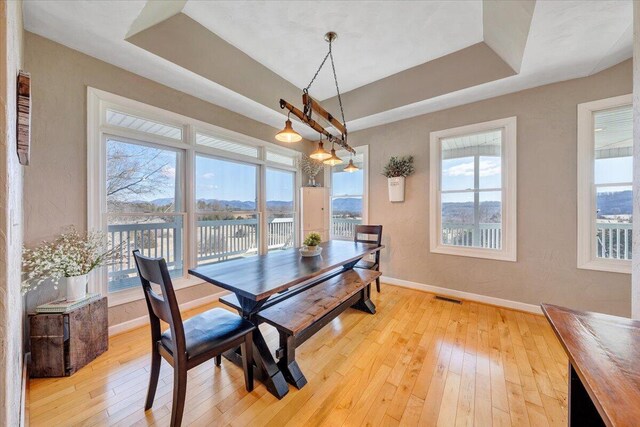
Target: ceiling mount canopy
[[311, 106]]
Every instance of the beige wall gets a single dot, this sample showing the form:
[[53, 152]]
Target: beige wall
[[635, 273], [546, 267], [11, 307], [56, 181]]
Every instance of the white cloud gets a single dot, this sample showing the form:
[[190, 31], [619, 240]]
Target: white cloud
[[487, 168], [168, 171], [208, 175]]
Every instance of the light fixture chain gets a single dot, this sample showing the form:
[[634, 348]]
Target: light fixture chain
[[319, 68], [335, 77]]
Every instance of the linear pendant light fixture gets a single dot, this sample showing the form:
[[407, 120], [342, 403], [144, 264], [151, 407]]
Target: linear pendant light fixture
[[310, 106]]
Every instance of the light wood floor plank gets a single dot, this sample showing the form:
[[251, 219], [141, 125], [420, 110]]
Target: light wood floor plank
[[418, 361]]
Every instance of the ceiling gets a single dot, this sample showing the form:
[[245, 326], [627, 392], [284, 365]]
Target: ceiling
[[394, 59], [374, 40]]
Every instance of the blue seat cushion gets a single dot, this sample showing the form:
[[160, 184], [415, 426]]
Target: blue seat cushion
[[209, 330]]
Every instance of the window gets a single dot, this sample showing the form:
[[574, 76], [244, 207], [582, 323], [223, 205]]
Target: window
[[281, 209], [183, 190], [144, 206], [227, 209], [473, 190], [348, 194], [605, 168]]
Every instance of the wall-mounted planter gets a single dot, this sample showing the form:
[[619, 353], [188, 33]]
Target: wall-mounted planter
[[396, 189]]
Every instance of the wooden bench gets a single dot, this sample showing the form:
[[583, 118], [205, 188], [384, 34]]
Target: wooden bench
[[304, 313]]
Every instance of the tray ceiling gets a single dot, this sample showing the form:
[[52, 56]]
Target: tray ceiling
[[394, 59]]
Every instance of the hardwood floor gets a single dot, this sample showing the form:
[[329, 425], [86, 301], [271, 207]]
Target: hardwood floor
[[418, 361]]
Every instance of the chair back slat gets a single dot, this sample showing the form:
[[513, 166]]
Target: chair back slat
[[369, 230], [161, 307]]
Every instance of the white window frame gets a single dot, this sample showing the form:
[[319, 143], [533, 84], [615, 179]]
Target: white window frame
[[587, 255], [328, 178], [98, 101], [508, 252]]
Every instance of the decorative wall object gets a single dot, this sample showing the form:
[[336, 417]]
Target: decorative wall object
[[311, 168], [396, 170], [24, 117]]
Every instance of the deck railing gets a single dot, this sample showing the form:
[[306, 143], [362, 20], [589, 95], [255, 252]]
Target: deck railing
[[484, 236], [344, 227], [216, 240], [613, 240]]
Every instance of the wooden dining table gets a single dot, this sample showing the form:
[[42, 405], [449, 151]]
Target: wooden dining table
[[604, 366], [262, 281]]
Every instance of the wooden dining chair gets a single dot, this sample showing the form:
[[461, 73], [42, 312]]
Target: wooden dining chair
[[187, 344], [365, 231]]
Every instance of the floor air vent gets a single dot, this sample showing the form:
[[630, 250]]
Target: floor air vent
[[453, 300]]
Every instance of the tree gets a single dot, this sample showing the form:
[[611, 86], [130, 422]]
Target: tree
[[135, 172]]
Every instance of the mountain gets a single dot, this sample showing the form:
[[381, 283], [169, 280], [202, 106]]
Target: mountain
[[618, 203], [347, 205], [462, 213]]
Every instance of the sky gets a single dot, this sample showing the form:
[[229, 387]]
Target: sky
[[215, 178], [345, 183], [458, 174], [614, 170], [227, 180]]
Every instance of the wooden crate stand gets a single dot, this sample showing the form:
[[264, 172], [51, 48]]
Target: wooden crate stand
[[63, 343]]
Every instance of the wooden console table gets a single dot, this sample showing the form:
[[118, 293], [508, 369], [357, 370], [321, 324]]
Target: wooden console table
[[604, 366], [63, 343]]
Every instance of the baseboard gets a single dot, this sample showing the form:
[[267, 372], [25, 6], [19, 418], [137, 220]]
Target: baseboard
[[516, 305], [24, 396], [144, 320]]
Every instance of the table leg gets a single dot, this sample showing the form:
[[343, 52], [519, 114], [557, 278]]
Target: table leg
[[288, 364], [364, 303], [266, 369], [582, 411]]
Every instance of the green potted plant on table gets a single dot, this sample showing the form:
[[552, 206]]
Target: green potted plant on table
[[70, 257], [396, 170], [311, 243]]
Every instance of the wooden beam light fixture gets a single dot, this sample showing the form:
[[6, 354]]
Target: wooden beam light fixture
[[311, 106]]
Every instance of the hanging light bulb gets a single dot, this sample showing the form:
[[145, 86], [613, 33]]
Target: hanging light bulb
[[333, 160], [320, 153], [288, 134], [351, 168]]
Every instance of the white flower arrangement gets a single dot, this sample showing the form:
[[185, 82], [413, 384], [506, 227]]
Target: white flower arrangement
[[70, 254], [311, 167]]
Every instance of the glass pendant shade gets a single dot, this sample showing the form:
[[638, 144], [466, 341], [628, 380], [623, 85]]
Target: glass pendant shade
[[333, 160], [351, 168], [320, 153], [288, 134]]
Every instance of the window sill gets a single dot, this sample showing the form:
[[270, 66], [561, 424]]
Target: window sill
[[135, 294], [607, 265], [492, 254]]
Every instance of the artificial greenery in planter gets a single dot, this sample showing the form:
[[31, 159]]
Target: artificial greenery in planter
[[312, 240], [396, 170], [310, 246]]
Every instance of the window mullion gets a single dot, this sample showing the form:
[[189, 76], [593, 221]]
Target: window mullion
[[476, 201], [263, 244], [190, 243]]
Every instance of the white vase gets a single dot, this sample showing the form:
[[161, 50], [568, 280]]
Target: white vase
[[396, 189], [76, 287]]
